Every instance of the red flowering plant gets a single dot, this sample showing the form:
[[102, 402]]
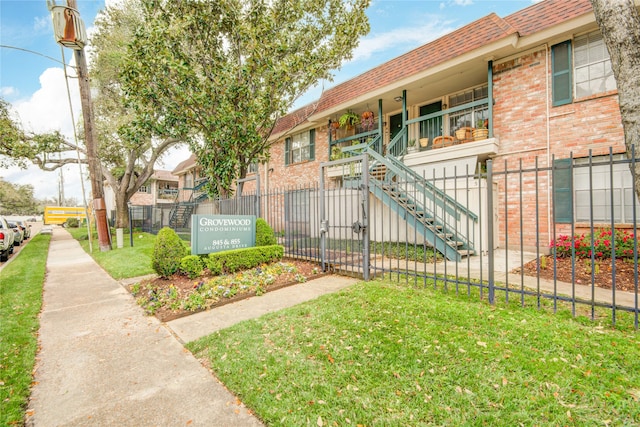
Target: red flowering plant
[[623, 240]]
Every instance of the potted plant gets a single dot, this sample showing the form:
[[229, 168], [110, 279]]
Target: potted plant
[[411, 146], [349, 120], [336, 153], [367, 120], [481, 131]]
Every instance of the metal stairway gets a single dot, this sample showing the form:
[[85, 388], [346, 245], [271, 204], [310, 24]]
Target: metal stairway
[[436, 216], [180, 214]]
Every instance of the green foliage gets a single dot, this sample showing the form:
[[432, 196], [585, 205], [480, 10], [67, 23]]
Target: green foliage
[[17, 199], [168, 251], [603, 241], [264, 233], [72, 223], [226, 116], [192, 266], [20, 303], [241, 259], [349, 119], [20, 148]]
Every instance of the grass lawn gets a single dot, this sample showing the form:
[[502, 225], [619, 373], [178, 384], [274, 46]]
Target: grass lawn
[[21, 299], [382, 354], [123, 262]]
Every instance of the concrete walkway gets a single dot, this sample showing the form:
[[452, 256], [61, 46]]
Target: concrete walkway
[[103, 362]]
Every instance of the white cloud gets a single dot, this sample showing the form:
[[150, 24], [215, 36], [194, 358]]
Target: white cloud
[[402, 40], [463, 2], [7, 91]]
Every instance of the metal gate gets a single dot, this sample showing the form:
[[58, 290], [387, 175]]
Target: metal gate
[[344, 216]]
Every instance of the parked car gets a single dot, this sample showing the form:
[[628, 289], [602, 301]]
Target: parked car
[[6, 239], [18, 236], [26, 228]]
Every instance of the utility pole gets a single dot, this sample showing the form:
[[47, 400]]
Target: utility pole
[[95, 172]]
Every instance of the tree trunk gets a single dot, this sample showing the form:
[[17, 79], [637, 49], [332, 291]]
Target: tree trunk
[[619, 24], [122, 210]]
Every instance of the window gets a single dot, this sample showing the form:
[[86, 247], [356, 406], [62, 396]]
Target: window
[[300, 147], [470, 116], [591, 73], [596, 191], [143, 189]]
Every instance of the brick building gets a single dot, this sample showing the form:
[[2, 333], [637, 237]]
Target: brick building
[[539, 80]]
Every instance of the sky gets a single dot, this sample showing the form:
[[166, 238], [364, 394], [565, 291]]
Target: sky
[[32, 77]]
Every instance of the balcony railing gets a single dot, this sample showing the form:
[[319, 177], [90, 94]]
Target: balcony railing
[[168, 193], [443, 128]]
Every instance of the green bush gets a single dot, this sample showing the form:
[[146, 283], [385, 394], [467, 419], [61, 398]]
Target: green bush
[[72, 223], [192, 266], [168, 251], [242, 259], [264, 233]]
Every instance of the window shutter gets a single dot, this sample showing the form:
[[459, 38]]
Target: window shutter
[[312, 144], [287, 151], [561, 73], [562, 191]]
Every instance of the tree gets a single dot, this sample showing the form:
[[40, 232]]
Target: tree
[[17, 199], [128, 155], [18, 147], [221, 73], [619, 24]]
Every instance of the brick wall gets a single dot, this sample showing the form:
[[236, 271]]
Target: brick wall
[[526, 133]]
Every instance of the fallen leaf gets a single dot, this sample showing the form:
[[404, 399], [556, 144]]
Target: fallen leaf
[[482, 344], [320, 423]]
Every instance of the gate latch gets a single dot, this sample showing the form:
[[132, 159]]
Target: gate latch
[[324, 226], [357, 227]]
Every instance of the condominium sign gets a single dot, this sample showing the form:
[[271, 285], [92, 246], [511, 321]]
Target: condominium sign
[[215, 233]]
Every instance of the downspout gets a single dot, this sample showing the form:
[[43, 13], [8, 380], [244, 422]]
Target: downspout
[[490, 93], [548, 136]]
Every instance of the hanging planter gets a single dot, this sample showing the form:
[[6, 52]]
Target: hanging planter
[[349, 120]]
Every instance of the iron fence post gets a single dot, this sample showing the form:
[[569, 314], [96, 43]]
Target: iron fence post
[[490, 225]]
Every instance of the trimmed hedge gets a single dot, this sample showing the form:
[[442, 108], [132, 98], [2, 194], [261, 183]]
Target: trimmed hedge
[[192, 266], [242, 259]]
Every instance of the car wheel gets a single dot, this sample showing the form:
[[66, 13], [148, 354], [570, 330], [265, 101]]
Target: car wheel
[[10, 250], [16, 243], [4, 256]]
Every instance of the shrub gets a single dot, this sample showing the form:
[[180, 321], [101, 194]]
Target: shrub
[[601, 249], [168, 251], [72, 223], [242, 259], [264, 233], [192, 266]]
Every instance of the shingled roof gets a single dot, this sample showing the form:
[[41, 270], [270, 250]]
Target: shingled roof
[[479, 33]]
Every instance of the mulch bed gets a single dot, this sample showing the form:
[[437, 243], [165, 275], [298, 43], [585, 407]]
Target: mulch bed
[[625, 272], [185, 286]]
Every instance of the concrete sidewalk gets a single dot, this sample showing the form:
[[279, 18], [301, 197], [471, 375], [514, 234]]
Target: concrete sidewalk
[[103, 362]]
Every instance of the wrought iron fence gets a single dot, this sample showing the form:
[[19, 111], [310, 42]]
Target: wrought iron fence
[[563, 235]]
